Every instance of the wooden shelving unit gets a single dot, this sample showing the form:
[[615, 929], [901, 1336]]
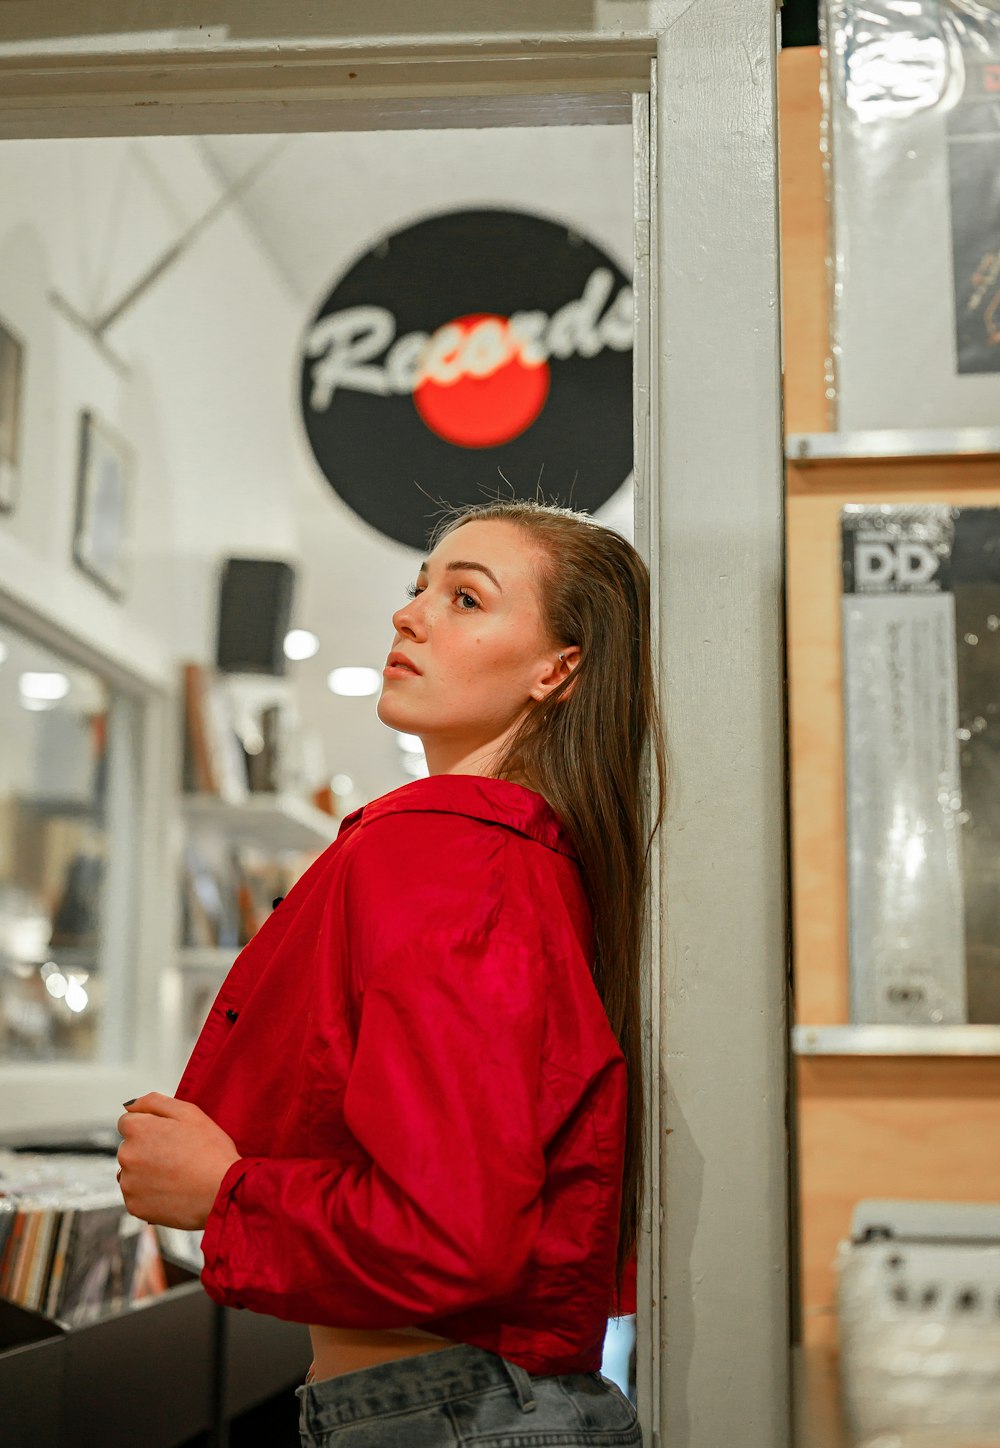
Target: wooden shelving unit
[[818, 1414], [882, 1111]]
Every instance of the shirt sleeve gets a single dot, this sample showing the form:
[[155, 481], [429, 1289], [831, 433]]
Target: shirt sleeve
[[626, 1304], [443, 1209]]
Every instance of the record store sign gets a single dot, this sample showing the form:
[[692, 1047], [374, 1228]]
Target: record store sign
[[473, 354]]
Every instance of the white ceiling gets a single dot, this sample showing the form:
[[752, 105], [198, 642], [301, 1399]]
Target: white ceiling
[[317, 201]]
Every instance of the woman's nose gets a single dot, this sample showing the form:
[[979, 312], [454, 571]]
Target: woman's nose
[[404, 620]]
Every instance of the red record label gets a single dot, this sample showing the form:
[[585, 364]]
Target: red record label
[[476, 387]]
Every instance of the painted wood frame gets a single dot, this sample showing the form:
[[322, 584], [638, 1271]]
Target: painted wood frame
[[713, 1311]]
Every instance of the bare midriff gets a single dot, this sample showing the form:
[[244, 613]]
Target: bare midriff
[[339, 1350]]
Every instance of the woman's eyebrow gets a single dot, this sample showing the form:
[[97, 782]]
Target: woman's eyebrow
[[461, 564]]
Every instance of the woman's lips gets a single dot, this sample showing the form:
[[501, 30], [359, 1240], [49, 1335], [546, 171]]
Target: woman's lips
[[393, 671]]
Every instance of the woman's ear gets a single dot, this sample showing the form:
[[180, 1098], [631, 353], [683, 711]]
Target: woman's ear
[[561, 666]]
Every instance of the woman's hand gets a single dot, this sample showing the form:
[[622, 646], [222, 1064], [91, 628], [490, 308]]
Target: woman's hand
[[172, 1161]]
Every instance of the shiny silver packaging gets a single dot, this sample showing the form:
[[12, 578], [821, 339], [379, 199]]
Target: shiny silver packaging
[[912, 148], [902, 767]]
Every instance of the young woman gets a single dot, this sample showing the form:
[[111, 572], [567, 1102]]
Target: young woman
[[414, 1117]]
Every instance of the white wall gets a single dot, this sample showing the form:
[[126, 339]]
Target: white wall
[[199, 393], [209, 399]]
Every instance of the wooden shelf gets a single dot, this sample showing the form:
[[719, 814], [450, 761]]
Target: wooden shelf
[[863, 1040], [819, 1419], [809, 447], [278, 822]]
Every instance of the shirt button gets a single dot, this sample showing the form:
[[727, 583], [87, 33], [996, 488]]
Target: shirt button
[[276, 901], [231, 1014]]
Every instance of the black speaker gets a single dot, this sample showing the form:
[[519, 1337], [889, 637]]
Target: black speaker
[[255, 609]]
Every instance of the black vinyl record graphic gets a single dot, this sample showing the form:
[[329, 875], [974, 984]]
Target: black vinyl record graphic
[[472, 355]]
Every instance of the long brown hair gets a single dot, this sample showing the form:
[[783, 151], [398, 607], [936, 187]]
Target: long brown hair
[[586, 754]]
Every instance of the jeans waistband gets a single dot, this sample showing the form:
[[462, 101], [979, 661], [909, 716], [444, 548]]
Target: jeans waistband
[[413, 1382]]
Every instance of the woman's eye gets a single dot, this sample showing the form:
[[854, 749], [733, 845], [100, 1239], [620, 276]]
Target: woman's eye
[[412, 590]]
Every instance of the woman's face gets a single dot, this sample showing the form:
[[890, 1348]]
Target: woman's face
[[474, 631]]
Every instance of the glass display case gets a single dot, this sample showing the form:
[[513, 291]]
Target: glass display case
[[68, 828]]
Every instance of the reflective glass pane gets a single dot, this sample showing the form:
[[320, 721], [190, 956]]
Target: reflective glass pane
[[55, 852]]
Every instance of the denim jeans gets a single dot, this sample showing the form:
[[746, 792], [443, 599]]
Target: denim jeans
[[464, 1395]]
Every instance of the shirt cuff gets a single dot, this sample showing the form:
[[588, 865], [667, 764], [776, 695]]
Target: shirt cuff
[[211, 1241]]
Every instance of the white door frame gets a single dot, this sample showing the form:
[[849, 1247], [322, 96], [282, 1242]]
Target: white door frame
[[713, 1368]]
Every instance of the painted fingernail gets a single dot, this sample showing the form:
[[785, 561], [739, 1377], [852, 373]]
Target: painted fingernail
[[130, 1103]]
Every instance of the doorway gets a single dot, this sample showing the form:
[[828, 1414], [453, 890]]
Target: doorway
[[712, 525]]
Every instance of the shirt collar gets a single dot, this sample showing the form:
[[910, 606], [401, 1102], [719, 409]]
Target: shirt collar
[[480, 797]]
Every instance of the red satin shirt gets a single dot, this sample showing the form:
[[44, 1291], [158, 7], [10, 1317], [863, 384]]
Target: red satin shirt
[[414, 1063]]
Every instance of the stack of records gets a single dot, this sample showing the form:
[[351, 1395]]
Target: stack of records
[[68, 1247]]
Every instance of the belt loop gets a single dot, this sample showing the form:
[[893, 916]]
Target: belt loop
[[305, 1414], [522, 1386]]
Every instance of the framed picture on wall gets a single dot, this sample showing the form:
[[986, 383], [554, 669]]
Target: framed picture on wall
[[11, 370], [104, 505]]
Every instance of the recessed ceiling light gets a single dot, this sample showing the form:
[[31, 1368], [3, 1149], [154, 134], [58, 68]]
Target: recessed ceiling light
[[300, 644], [411, 743], [43, 686], [414, 764], [354, 682]]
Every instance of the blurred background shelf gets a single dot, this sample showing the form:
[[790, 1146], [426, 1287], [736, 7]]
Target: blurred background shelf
[[207, 957], [278, 822], [52, 806], [83, 957]]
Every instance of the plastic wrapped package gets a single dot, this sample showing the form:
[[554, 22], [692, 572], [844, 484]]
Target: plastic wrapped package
[[919, 1306], [907, 946], [911, 137], [921, 654]]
